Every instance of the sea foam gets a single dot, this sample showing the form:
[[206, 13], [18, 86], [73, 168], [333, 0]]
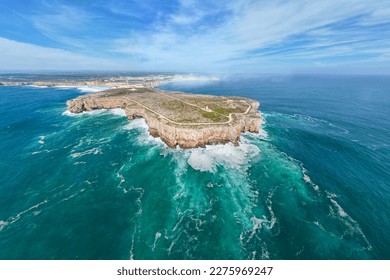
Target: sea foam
[[227, 155], [92, 89], [93, 151], [118, 112], [84, 89], [138, 123], [115, 111], [93, 112]]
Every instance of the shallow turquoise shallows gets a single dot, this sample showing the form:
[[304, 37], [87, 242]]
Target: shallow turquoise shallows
[[313, 184]]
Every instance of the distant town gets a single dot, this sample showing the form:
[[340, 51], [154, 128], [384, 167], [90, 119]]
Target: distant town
[[112, 81]]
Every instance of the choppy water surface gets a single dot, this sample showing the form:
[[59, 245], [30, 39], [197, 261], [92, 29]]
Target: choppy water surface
[[314, 184]]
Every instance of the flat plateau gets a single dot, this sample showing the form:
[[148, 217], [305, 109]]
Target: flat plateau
[[179, 119]]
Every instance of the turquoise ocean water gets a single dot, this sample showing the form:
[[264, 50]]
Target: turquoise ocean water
[[314, 184]]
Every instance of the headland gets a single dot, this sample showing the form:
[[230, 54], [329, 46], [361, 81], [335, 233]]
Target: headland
[[179, 119]]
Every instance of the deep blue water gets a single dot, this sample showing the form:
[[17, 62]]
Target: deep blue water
[[314, 184]]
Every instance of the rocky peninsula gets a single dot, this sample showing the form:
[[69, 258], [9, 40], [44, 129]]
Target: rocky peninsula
[[179, 119]]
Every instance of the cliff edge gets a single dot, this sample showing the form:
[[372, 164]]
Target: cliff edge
[[187, 120]]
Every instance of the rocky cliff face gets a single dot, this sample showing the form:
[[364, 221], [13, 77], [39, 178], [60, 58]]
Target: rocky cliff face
[[173, 134]]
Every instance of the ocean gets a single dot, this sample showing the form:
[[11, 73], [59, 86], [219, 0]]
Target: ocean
[[313, 184]]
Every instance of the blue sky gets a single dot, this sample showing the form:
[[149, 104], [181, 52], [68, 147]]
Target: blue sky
[[262, 36]]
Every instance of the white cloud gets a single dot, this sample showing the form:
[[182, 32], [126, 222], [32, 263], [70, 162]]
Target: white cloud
[[213, 36], [22, 56], [61, 23], [253, 25]]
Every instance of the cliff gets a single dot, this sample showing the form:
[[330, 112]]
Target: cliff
[[187, 120]]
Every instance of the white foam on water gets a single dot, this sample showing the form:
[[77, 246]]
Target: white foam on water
[[201, 161], [132, 246], [3, 224], [180, 170], [118, 112], [121, 178], [258, 224], [305, 177], [227, 155], [170, 247], [81, 142], [150, 140], [138, 123], [15, 218], [179, 222], [36, 213], [156, 237], [68, 113], [35, 86], [65, 87], [93, 151], [254, 255], [312, 121], [273, 220], [103, 140], [85, 89], [198, 221], [72, 195], [340, 210], [92, 112], [92, 88], [144, 138], [141, 192], [43, 151], [308, 180], [321, 226], [234, 160], [337, 211], [115, 111], [173, 243], [262, 134], [264, 253], [40, 141]]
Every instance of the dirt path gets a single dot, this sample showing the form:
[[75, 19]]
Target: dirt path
[[188, 124]]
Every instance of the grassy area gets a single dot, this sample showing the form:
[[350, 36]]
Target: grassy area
[[182, 108], [213, 116], [223, 111]]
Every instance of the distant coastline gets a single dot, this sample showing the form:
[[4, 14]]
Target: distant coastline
[[109, 81]]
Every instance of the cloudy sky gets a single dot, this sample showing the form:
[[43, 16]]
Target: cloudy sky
[[261, 36]]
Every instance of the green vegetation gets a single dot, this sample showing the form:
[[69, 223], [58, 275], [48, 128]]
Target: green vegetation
[[223, 111], [181, 107], [213, 116]]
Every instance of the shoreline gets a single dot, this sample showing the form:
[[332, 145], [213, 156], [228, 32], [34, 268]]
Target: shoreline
[[105, 81]]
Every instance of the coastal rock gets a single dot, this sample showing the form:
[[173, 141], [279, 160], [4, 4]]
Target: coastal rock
[[179, 119]]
